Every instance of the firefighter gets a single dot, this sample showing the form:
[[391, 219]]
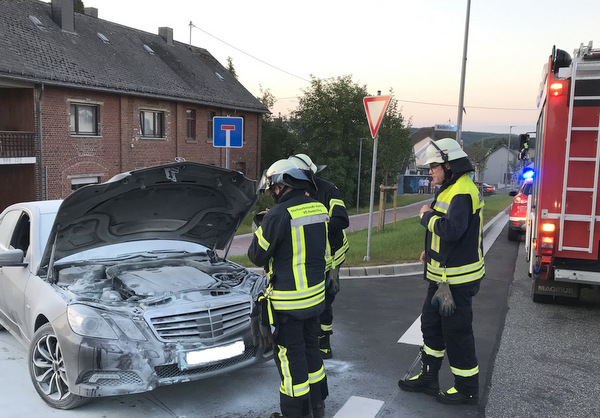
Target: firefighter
[[454, 268], [328, 194], [291, 244]]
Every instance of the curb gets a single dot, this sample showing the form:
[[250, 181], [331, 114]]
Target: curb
[[406, 269]]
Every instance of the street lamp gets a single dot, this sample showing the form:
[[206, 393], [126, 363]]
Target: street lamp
[[508, 151], [358, 183]]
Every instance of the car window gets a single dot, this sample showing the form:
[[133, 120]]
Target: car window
[[527, 188], [7, 225]]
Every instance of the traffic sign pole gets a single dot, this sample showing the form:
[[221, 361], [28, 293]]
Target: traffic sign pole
[[375, 108]]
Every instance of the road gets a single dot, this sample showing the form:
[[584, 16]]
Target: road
[[241, 243], [535, 360]]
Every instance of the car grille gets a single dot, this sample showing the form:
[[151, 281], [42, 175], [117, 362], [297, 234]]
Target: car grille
[[111, 378], [209, 324], [171, 370]]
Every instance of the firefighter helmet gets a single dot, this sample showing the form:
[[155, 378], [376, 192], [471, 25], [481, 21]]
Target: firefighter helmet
[[303, 162], [443, 150], [287, 173]]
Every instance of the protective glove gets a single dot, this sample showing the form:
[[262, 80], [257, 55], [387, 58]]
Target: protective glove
[[261, 330], [332, 282], [443, 299]]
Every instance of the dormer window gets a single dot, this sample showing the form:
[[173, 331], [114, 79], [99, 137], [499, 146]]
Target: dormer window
[[148, 49], [103, 38], [37, 22]]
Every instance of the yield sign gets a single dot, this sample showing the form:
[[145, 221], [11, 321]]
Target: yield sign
[[375, 107]]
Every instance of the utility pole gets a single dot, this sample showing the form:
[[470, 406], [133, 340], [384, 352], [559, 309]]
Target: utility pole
[[461, 98]]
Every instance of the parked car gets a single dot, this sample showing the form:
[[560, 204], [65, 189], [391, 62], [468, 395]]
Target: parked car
[[488, 189], [118, 288], [517, 215]]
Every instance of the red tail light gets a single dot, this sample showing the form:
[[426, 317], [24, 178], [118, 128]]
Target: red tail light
[[547, 239], [556, 89]]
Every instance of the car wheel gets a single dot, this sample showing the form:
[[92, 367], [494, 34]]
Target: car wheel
[[513, 235], [47, 370]]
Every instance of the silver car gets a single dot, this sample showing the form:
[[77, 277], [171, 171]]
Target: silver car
[[119, 289]]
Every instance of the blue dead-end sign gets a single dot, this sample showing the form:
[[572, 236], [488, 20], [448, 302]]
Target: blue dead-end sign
[[228, 132]]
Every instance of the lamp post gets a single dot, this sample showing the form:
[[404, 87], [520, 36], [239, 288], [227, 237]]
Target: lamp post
[[508, 151], [358, 182]]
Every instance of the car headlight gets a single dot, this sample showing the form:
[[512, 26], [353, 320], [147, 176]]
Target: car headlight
[[88, 322]]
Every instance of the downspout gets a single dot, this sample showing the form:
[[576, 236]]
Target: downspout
[[43, 176]]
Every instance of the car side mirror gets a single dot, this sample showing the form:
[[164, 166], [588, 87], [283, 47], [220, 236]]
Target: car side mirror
[[512, 193], [12, 258]]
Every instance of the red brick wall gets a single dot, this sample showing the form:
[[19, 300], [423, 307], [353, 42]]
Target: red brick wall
[[119, 146]]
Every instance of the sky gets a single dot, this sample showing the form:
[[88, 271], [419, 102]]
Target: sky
[[413, 47]]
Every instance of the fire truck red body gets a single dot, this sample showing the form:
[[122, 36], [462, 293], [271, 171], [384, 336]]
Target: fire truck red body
[[563, 225]]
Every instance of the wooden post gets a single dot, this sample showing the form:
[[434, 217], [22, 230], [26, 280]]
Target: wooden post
[[382, 190]]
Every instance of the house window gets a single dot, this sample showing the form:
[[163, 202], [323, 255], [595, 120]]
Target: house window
[[190, 115], [79, 182], [152, 124], [83, 119], [209, 125]]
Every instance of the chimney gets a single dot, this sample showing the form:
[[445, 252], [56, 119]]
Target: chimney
[[90, 11], [63, 14], [166, 34]]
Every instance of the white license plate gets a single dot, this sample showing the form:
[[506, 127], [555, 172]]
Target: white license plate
[[211, 355]]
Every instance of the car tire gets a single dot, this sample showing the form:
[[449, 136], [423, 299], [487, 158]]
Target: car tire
[[513, 235], [47, 370]]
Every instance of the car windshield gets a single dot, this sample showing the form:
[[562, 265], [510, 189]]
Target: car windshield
[[527, 188]]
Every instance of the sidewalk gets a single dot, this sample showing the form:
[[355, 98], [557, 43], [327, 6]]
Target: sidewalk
[[357, 222]]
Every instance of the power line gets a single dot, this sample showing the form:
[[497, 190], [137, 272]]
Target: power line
[[250, 55], [308, 81]]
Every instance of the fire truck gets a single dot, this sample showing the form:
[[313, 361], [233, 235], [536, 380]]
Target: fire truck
[[563, 212]]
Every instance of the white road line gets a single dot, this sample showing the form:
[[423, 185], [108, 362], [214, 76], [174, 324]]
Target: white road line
[[413, 334], [357, 407]]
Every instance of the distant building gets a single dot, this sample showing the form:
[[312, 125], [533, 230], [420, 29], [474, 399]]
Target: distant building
[[495, 167], [82, 99]]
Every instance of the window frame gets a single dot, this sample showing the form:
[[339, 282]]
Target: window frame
[[210, 126], [74, 119], [190, 116], [158, 118]]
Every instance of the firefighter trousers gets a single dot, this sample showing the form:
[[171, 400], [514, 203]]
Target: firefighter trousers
[[454, 334], [300, 366], [326, 317]]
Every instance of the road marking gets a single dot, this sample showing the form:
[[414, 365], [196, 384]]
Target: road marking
[[357, 407], [413, 334], [497, 225]]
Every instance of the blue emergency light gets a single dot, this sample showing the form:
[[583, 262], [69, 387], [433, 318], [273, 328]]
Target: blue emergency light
[[528, 173]]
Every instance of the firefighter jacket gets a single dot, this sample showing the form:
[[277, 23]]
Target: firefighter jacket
[[453, 242], [291, 244], [330, 197]]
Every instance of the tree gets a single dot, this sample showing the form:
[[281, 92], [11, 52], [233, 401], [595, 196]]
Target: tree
[[279, 139], [330, 120], [395, 149], [478, 154], [230, 67], [78, 6]]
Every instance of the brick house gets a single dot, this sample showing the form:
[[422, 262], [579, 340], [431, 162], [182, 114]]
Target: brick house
[[82, 99]]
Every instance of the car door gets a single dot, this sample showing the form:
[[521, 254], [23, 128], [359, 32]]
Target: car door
[[16, 233]]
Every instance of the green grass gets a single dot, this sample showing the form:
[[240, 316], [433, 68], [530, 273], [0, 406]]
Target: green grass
[[400, 244]]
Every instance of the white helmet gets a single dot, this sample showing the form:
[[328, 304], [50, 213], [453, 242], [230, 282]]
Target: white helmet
[[303, 162], [443, 150], [287, 173]]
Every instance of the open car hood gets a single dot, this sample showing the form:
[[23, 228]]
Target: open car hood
[[181, 201]]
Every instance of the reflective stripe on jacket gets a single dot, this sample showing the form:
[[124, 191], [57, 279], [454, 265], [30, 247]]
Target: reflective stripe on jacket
[[291, 244], [453, 244]]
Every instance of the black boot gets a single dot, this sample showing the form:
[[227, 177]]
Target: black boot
[[454, 397], [324, 345], [426, 381]]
